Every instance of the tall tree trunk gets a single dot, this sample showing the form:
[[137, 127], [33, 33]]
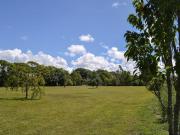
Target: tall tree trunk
[[169, 66], [176, 114], [170, 110], [177, 104]]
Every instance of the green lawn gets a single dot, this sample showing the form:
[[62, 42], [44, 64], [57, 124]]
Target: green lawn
[[80, 111]]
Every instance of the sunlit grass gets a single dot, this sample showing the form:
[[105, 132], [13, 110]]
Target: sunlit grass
[[80, 111]]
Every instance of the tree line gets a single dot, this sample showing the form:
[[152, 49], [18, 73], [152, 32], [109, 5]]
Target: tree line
[[31, 75]]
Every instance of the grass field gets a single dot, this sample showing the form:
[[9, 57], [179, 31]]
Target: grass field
[[80, 111]]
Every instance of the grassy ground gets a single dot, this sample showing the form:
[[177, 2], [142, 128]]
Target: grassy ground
[[80, 111]]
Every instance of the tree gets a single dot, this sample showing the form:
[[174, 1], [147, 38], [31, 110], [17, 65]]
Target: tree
[[4, 67], [22, 76], [176, 47], [66, 79], [76, 78], [95, 79], [85, 75], [152, 44], [105, 76]]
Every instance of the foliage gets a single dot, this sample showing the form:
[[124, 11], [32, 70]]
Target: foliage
[[158, 23], [21, 75], [32, 74], [76, 78]]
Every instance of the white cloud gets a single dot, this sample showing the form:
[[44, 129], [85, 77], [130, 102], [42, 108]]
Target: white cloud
[[92, 62], [110, 61], [128, 65], [16, 55], [74, 50], [86, 38], [103, 45], [117, 4], [24, 37], [117, 55]]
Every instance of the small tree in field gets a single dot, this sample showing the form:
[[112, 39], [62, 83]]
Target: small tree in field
[[23, 76]]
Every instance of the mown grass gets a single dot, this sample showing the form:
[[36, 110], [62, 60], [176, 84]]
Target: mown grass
[[80, 111]]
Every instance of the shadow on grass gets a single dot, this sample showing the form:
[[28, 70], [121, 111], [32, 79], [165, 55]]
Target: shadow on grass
[[17, 99]]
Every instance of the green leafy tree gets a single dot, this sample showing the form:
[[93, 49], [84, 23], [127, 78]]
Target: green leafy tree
[[4, 67], [152, 44], [76, 78], [66, 79], [95, 80], [22, 76], [106, 77], [85, 74]]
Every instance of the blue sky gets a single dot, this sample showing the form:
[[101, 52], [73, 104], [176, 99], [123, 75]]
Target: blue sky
[[52, 26]]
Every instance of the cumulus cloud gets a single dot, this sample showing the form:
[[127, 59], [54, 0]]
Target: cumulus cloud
[[16, 55], [117, 55], [110, 61], [92, 62], [74, 50], [128, 65], [86, 38]]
